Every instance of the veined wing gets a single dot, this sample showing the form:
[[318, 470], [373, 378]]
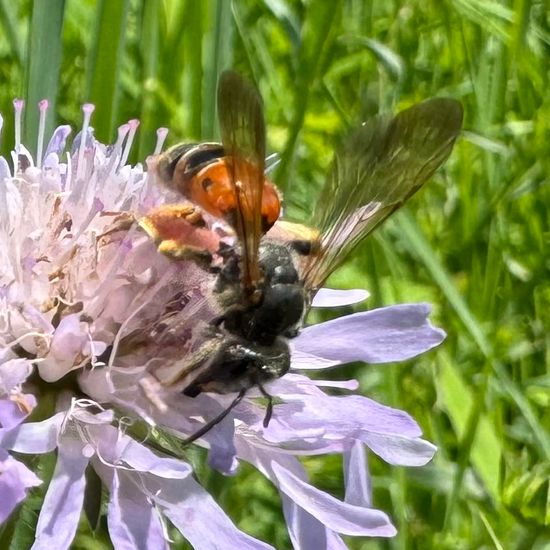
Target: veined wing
[[381, 165], [242, 128]]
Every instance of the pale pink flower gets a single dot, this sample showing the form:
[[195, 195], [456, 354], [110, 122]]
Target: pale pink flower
[[90, 309]]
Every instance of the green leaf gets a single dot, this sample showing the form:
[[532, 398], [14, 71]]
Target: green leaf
[[527, 495], [458, 400]]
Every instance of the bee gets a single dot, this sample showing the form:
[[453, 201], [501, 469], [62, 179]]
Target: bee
[[266, 281]]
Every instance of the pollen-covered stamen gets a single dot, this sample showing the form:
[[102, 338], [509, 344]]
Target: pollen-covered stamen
[[43, 108], [18, 105], [133, 125], [161, 138], [1, 126], [87, 109]]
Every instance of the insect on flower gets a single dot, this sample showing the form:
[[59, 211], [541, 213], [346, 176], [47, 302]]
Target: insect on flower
[[264, 283]]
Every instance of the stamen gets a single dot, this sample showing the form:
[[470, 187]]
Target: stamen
[[161, 137], [87, 109], [43, 108], [1, 126], [18, 105], [133, 125]]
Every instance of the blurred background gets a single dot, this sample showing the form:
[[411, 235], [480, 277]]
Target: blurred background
[[474, 242]]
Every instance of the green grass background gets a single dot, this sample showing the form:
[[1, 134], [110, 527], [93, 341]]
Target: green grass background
[[474, 243]]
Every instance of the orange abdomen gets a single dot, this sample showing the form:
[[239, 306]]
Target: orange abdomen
[[211, 188]]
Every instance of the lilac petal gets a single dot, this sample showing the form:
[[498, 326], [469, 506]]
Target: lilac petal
[[5, 171], [89, 141], [51, 162], [349, 414], [11, 202], [34, 437], [13, 373], [383, 335], [306, 532], [68, 343], [222, 452], [62, 505], [11, 414], [133, 522], [15, 479], [357, 476], [136, 455], [307, 361], [198, 517], [311, 422], [400, 450], [335, 515], [58, 141], [328, 297]]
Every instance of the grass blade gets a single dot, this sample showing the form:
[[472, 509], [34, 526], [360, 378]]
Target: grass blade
[[219, 52], [150, 53], [8, 22], [104, 65], [43, 63]]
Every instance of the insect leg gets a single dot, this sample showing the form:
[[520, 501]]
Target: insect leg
[[269, 407], [216, 420]]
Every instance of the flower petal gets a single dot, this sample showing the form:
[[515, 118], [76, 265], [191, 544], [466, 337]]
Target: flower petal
[[357, 476], [134, 524], [34, 437], [58, 140], [15, 479], [13, 373], [197, 516], [348, 413], [221, 455], [62, 505], [307, 532], [399, 449], [328, 297], [121, 448], [68, 343], [11, 413], [336, 515], [383, 335]]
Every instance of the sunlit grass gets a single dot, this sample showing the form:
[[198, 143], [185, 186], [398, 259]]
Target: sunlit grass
[[474, 242]]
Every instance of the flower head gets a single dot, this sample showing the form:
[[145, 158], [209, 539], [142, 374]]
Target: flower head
[[93, 315]]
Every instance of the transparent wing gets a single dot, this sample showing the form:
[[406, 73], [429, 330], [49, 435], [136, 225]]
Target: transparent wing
[[242, 128], [381, 165]]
